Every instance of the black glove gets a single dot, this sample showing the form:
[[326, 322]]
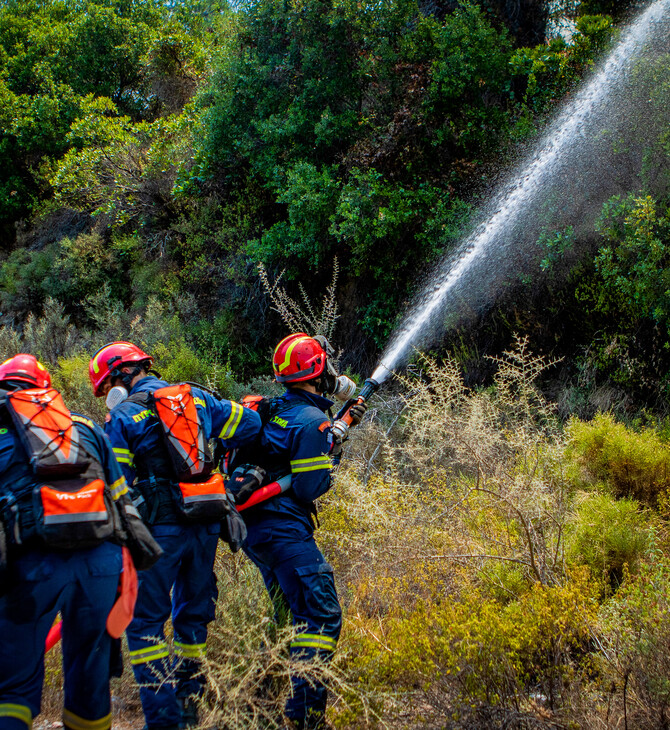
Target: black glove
[[357, 411], [233, 527], [244, 481]]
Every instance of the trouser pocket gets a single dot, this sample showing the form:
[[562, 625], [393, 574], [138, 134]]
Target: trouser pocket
[[322, 608]]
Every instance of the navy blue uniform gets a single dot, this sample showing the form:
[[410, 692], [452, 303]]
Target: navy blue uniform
[[81, 584], [186, 567], [280, 539]]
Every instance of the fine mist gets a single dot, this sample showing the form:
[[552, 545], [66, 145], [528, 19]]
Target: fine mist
[[602, 142]]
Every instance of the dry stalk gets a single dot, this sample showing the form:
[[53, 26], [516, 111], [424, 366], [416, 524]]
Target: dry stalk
[[305, 317]]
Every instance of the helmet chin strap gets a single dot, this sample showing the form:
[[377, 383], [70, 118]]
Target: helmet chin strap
[[125, 378], [16, 385]]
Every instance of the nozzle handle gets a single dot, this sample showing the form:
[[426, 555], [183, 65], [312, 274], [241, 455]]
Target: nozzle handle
[[343, 422]]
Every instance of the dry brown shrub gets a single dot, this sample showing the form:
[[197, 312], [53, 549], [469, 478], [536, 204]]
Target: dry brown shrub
[[248, 666], [462, 477], [443, 492], [305, 316]]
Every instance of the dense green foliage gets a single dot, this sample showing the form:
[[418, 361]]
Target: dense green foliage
[[162, 149]]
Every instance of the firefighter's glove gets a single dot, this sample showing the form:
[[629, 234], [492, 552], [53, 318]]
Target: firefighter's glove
[[244, 481], [336, 450], [357, 411], [233, 528]]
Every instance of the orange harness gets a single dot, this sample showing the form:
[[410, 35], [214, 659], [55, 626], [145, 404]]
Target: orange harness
[[198, 496]]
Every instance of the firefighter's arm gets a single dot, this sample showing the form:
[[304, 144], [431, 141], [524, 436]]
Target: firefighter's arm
[[233, 424], [310, 461], [116, 431]]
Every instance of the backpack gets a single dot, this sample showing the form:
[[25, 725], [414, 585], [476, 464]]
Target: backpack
[[72, 506], [198, 495], [183, 433], [246, 475]]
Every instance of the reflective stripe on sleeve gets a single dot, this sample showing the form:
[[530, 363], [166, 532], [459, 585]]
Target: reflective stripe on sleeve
[[190, 651], [118, 488], [316, 462], [123, 456], [19, 712], [314, 641], [149, 653], [230, 426], [79, 723]]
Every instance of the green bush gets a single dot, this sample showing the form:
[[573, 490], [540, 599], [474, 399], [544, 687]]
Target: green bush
[[70, 377], [633, 263], [628, 463], [476, 651], [553, 68], [608, 534]]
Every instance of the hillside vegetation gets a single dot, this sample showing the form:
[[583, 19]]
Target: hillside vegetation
[[156, 150], [499, 528]]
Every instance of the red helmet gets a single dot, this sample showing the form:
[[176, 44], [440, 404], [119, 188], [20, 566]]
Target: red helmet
[[298, 357], [109, 360], [27, 369]]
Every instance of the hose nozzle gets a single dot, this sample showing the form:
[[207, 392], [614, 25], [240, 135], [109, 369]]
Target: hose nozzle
[[370, 387], [341, 426]]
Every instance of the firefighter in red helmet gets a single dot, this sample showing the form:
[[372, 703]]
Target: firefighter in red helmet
[[62, 498], [121, 360], [297, 439], [160, 435]]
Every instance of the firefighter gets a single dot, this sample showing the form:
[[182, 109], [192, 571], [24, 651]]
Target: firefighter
[[182, 585], [59, 555], [297, 440]]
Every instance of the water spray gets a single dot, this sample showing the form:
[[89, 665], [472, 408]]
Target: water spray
[[555, 186]]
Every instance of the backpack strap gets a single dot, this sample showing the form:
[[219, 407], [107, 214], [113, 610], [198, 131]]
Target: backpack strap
[[141, 398]]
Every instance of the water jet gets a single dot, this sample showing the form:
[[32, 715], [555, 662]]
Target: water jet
[[567, 176]]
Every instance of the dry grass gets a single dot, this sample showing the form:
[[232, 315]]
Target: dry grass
[[247, 669]]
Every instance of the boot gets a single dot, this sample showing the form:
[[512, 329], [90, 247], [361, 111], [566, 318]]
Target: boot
[[189, 711]]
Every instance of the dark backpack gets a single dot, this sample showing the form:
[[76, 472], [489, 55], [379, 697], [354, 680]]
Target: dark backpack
[[198, 495], [72, 506]]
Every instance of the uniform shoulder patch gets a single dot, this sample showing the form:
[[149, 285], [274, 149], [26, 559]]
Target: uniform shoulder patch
[[324, 426], [82, 419]]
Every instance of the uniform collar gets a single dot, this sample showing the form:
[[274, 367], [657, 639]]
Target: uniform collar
[[149, 383], [313, 399]]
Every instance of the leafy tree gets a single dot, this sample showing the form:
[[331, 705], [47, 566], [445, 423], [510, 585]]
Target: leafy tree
[[56, 58], [354, 121], [634, 262]]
